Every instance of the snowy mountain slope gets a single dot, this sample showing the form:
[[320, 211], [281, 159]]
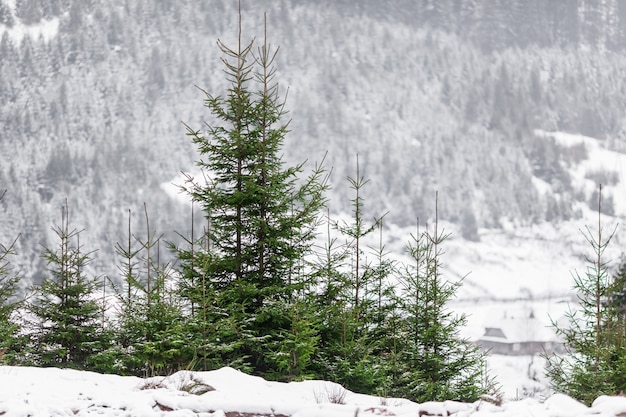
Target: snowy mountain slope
[[530, 268], [35, 392]]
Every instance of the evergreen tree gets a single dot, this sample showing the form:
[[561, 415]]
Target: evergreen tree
[[595, 360], [332, 302], [205, 316], [9, 328], [355, 233], [381, 312], [150, 333], [149, 328], [262, 216], [69, 330], [353, 302], [617, 294], [436, 364]]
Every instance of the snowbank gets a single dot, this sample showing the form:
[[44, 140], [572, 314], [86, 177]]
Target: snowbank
[[226, 392]]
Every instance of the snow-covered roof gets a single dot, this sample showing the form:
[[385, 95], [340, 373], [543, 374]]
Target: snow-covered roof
[[519, 326]]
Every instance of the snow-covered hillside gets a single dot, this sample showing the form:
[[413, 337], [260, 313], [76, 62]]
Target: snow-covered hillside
[[36, 392], [93, 97], [529, 269]]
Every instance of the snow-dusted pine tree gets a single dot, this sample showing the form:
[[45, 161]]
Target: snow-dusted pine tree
[[595, 358], [150, 336], [435, 363], [68, 330], [354, 299]]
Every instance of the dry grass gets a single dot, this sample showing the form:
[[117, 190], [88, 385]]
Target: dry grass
[[332, 393]]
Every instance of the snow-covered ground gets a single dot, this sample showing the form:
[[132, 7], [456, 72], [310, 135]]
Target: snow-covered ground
[[35, 392]]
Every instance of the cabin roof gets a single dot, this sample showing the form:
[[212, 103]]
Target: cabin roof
[[519, 328]]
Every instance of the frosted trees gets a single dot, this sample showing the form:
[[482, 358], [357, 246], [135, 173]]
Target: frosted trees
[[150, 337]]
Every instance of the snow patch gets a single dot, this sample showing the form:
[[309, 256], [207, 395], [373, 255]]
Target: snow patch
[[602, 164], [43, 392], [46, 30]]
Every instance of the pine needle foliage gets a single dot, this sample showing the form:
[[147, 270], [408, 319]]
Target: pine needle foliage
[[262, 215], [9, 303], [595, 357], [355, 232], [435, 363], [350, 299], [69, 329], [151, 338]]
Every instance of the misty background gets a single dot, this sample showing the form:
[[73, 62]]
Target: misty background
[[447, 96]]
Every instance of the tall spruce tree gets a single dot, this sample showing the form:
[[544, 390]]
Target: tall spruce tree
[[261, 215], [69, 329], [595, 359]]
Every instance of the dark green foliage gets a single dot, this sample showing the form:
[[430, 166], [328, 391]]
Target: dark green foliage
[[8, 303], [260, 221], [594, 336], [69, 327], [293, 351], [355, 233], [617, 294], [392, 341], [352, 301], [261, 218], [433, 362], [150, 332], [151, 337]]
